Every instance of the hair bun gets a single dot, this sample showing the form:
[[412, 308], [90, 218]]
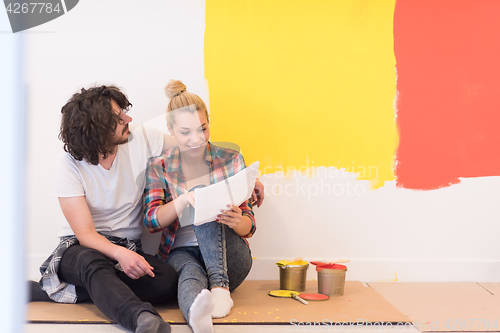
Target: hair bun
[[174, 88]]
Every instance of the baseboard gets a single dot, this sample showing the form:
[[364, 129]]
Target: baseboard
[[396, 270]]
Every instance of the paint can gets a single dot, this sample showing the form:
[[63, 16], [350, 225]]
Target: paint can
[[331, 279], [293, 277]]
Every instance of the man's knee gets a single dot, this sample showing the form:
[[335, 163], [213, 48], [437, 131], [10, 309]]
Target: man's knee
[[165, 280]]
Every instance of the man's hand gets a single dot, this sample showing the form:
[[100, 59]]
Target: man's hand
[[258, 193], [133, 264]]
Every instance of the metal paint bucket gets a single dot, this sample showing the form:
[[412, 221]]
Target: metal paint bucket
[[293, 277], [331, 280]]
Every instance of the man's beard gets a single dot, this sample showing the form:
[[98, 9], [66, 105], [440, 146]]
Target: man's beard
[[124, 140]]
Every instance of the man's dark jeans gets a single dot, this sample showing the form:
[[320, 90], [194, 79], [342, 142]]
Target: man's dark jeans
[[112, 291]]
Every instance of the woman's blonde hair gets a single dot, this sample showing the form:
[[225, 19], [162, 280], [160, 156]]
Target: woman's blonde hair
[[182, 100]]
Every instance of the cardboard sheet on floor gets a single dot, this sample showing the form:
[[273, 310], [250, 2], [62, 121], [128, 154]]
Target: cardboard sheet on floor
[[252, 305], [445, 306]]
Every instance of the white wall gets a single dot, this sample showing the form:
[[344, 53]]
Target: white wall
[[12, 152], [441, 235], [448, 234]]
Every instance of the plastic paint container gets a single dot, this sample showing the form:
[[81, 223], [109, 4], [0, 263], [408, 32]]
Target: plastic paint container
[[293, 277], [331, 279]]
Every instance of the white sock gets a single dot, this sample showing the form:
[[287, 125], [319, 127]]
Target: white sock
[[223, 302], [200, 313]]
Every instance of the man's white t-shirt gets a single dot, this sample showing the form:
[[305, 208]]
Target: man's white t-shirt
[[113, 196]]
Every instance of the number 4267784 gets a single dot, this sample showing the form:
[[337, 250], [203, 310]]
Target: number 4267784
[[32, 7]]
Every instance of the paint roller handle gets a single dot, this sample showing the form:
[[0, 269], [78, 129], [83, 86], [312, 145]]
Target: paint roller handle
[[300, 299], [339, 261], [336, 261]]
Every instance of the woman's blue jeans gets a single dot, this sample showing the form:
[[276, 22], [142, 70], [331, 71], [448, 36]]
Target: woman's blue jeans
[[207, 265]]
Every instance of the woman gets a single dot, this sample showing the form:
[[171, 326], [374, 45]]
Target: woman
[[198, 253]]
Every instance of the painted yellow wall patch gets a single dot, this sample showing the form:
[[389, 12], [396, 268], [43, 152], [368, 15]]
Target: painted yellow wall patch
[[304, 83]]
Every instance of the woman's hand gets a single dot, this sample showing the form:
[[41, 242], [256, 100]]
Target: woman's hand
[[231, 217], [133, 264]]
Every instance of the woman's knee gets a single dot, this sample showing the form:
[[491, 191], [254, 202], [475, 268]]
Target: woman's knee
[[239, 265]]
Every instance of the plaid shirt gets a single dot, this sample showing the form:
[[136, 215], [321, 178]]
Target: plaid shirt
[[165, 182]]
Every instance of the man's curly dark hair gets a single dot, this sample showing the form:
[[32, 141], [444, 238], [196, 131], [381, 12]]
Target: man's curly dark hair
[[89, 122]]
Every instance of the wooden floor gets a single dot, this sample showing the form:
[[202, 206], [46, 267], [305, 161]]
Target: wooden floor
[[453, 306], [445, 306]]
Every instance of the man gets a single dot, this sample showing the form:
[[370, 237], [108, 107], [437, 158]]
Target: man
[[99, 183]]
